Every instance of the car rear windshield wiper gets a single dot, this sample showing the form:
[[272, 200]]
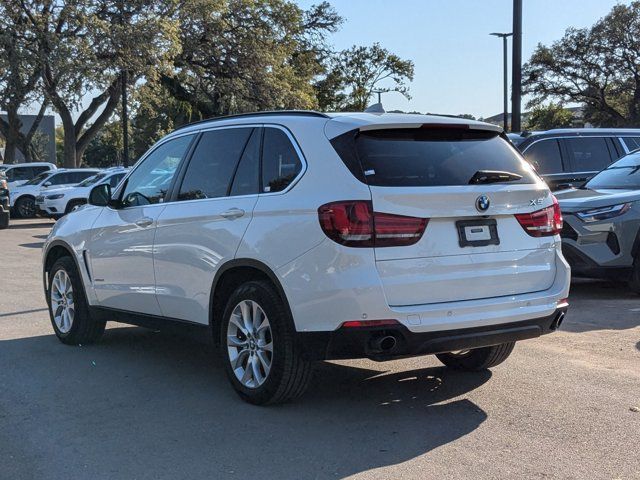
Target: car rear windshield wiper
[[493, 176]]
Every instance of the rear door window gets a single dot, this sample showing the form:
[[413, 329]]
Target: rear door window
[[588, 153], [40, 168], [246, 180], [213, 163], [60, 179], [432, 157], [544, 156], [77, 177]]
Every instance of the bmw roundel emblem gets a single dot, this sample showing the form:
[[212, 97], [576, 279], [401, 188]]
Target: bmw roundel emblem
[[482, 203]]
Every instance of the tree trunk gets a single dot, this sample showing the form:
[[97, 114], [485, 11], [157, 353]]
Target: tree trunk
[[12, 136], [69, 157]]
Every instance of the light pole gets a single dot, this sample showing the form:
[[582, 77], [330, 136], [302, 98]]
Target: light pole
[[516, 67], [505, 103]]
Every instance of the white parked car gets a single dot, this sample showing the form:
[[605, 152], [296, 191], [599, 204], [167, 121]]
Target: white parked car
[[56, 202], [23, 197], [293, 237], [20, 173]]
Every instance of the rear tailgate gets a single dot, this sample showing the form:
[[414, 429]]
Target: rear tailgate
[[466, 252]]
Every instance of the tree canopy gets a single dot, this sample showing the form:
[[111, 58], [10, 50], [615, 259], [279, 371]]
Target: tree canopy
[[597, 66], [182, 60]]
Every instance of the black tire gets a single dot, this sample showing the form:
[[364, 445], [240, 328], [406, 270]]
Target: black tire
[[72, 205], [4, 220], [478, 358], [25, 207], [290, 372], [84, 328], [634, 279]]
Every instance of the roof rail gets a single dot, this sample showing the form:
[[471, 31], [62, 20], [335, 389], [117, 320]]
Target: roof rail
[[302, 113]]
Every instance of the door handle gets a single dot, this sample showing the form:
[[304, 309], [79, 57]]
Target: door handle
[[232, 213], [144, 222]]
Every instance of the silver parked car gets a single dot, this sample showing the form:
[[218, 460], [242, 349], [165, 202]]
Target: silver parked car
[[600, 235]]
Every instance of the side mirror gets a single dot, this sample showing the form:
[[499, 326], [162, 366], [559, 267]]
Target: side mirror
[[100, 195], [46, 184]]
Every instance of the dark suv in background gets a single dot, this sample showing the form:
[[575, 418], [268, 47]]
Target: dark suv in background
[[4, 202], [569, 157]]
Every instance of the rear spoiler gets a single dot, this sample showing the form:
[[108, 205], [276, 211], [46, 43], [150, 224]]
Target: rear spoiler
[[338, 126]]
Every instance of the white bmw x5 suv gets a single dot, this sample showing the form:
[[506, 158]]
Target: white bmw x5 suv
[[292, 237]]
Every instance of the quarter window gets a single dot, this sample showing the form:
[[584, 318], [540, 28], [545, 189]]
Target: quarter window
[[280, 162], [213, 163], [150, 181], [632, 143], [545, 157]]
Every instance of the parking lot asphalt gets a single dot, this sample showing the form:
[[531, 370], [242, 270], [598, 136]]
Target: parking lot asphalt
[[147, 405]]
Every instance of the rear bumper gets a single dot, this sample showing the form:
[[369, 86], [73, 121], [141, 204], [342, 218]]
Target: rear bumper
[[348, 343]]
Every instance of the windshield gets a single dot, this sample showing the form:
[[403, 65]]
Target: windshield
[[38, 179], [623, 174], [92, 180]]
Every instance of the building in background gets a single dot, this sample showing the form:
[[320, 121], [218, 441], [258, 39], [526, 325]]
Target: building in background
[[44, 140]]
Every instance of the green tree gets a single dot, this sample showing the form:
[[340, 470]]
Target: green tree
[[245, 55], [546, 117], [106, 148], [357, 72], [83, 48], [597, 66], [19, 82]]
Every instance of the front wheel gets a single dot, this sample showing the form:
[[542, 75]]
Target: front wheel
[[68, 307], [261, 356], [25, 207], [477, 358]]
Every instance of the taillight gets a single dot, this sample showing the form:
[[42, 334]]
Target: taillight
[[542, 223], [353, 223]]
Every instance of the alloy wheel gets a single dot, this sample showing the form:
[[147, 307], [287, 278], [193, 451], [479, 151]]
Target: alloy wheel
[[62, 304], [250, 344]]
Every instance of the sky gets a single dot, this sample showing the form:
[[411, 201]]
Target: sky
[[458, 65]]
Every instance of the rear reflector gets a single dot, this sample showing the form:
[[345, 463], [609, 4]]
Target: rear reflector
[[542, 223], [562, 303], [353, 223], [368, 323]]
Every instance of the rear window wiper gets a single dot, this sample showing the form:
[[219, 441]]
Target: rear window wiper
[[493, 176]]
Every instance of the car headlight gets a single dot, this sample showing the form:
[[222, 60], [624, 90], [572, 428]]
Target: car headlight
[[57, 196], [603, 213]]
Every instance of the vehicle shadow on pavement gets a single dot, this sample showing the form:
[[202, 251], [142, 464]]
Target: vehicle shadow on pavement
[[601, 305], [143, 404], [17, 226], [32, 245]]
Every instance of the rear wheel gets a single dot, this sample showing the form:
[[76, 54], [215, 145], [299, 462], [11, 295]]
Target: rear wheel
[[634, 280], [4, 220], [25, 207], [258, 346], [477, 358], [68, 307]]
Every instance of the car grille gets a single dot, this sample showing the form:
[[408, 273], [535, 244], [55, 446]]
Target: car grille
[[568, 232]]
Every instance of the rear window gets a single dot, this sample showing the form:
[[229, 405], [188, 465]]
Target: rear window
[[428, 157]]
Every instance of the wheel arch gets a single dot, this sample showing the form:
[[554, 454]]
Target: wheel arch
[[230, 276], [56, 250]]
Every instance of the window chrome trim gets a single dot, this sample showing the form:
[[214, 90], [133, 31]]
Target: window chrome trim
[[197, 132]]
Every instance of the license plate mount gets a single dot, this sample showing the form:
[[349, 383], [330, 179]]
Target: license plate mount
[[477, 233]]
